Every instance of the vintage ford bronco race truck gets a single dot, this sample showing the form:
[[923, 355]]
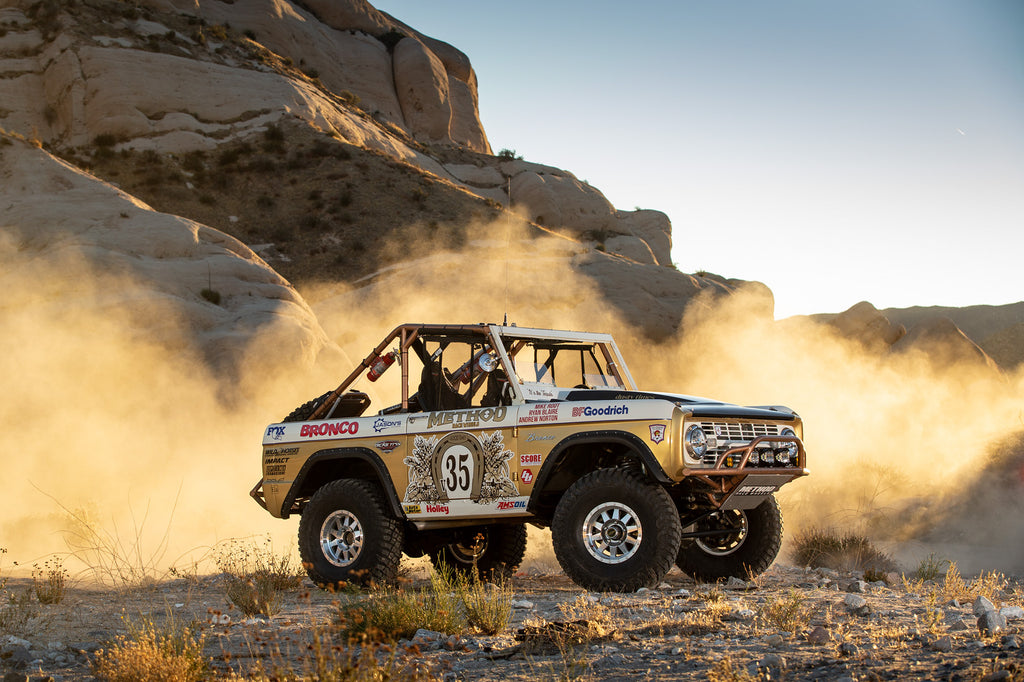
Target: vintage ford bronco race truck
[[495, 426]]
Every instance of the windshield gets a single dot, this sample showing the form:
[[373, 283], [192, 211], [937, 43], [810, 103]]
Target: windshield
[[565, 364]]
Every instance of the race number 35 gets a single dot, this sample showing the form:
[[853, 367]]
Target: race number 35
[[456, 467]]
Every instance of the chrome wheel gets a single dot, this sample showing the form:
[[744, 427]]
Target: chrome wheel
[[341, 538], [612, 532], [722, 545]]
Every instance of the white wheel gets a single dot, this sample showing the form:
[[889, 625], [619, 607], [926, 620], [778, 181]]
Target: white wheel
[[612, 532]]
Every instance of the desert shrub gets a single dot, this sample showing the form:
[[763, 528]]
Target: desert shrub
[[930, 568], [349, 98], [148, 653], [509, 155], [50, 582], [256, 574], [827, 548]]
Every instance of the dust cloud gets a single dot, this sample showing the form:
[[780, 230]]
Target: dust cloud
[[119, 438], [131, 430]]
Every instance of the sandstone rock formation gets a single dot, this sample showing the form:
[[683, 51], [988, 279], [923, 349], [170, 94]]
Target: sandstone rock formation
[[168, 273], [864, 323]]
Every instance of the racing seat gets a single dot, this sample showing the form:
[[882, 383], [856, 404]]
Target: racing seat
[[436, 391]]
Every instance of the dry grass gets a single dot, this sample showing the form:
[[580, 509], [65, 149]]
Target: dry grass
[[952, 585], [789, 613], [150, 653], [452, 604]]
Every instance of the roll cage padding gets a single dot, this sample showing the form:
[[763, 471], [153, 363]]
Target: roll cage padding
[[341, 454]]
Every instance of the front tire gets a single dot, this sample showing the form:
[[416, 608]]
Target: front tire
[[347, 534], [613, 530], [745, 552], [495, 551]]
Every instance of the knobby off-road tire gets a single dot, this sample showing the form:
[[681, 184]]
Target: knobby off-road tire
[[495, 551], [745, 553], [613, 530], [303, 411], [348, 534]]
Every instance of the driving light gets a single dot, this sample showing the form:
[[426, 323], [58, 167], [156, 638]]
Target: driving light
[[790, 448], [696, 441]]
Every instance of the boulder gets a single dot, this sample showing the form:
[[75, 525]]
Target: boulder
[[864, 323], [422, 86]]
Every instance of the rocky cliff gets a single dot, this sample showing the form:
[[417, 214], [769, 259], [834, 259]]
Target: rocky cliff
[[325, 135]]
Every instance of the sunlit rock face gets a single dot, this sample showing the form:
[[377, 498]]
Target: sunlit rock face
[[168, 75]]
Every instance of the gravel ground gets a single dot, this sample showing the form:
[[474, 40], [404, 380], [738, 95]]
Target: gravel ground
[[790, 624]]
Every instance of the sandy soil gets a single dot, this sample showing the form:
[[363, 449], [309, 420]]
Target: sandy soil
[[841, 628]]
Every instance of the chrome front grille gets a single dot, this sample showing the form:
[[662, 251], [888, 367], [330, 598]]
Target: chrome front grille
[[723, 436]]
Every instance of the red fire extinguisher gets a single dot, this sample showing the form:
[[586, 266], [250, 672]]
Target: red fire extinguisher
[[381, 365]]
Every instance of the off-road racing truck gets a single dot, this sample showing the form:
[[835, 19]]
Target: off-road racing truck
[[495, 426]]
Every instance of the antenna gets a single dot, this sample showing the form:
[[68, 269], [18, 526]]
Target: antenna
[[508, 240]]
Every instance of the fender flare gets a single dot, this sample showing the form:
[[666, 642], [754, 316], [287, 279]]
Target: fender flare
[[333, 454], [557, 454]]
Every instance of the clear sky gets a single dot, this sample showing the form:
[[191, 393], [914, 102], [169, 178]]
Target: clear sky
[[836, 151]]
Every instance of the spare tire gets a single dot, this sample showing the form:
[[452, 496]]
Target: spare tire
[[303, 411]]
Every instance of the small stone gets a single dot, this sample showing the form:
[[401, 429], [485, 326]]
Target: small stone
[[773, 664], [664, 586], [735, 583], [983, 604], [1012, 612], [818, 635], [848, 649], [959, 625], [991, 622], [1011, 642], [683, 594], [522, 604], [745, 615], [854, 602], [641, 590], [774, 640], [943, 644], [857, 586]]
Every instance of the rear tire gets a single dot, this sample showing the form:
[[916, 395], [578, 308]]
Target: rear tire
[[614, 530], [495, 551], [347, 534], [745, 553]]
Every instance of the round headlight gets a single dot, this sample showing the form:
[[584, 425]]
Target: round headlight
[[696, 441], [790, 448]]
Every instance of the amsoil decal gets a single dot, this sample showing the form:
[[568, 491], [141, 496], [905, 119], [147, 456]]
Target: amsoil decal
[[657, 433], [387, 445], [547, 412], [505, 505], [526, 477], [329, 429], [466, 418], [608, 411]]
